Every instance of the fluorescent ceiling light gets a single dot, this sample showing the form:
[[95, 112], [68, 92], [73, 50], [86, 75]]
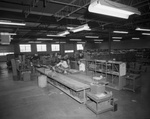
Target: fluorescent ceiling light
[[135, 38], [34, 42], [81, 28], [75, 39], [11, 23], [80, 42], [92, 36], [146, 34], [98, 40], [55, 35], [5, 33], [116, 37], [61, 34], [124, 32], [116, 40], [140, 29], [110, 8], [60, 42], [64, 33], [70, 28], [44, 39]]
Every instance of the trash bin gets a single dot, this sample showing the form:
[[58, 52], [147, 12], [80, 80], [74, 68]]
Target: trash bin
[[42, 81]]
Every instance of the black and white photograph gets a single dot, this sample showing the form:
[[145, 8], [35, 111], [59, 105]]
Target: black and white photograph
[[74, 59]]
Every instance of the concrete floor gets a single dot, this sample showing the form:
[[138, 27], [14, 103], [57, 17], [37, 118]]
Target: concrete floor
[[25, 100]]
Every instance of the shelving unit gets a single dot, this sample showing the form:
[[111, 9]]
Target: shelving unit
[[101, 67], [95, 66], [99, 104], [115, 74], [114, 71]]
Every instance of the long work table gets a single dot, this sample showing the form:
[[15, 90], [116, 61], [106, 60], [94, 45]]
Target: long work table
[[72, 84]]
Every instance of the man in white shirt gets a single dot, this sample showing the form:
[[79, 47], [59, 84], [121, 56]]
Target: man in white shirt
[[62, 64], [81, 66]]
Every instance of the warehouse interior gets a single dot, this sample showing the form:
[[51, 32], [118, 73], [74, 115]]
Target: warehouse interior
[[36, 35]]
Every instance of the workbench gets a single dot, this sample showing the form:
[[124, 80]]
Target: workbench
[[67, 83], [99, 103], [133, 81]]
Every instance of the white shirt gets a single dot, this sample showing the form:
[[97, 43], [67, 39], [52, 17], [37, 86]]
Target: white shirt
[[63, 64], [82, 67]]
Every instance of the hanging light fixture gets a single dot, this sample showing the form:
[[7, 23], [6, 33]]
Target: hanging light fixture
[[81, 28], [135, 38], [5, 33], [64, 33], [141, 29], [116, 37], [44, 39], [54, 35], [98, 40], [146, 34], [117, 40], [92, 36], [111, 8], [11, 23], [75, 39], [123, 32]]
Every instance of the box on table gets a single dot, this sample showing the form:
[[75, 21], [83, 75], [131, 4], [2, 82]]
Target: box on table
[[97, 89]]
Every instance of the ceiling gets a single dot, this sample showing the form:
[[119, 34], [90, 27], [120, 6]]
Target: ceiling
[[44, 17]]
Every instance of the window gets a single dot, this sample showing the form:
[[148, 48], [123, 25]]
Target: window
[[25, 48], [69, 51], [5, 53], [41, 47], [55, 47], [79, 47]]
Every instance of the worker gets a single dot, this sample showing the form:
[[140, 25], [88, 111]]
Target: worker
[[81, 66], [62, 65], [81, 55]]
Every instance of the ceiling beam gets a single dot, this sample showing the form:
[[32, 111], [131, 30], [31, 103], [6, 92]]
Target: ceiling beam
[[49, 15], [15, 3], [139, 3], [71, 10], [63, 3]]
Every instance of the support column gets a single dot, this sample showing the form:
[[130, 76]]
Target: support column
[[109, 45]]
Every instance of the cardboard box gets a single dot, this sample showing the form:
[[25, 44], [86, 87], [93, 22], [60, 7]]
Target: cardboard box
[[97, 89]]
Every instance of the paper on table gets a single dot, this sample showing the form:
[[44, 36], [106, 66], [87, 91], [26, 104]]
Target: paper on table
[[100, 95]]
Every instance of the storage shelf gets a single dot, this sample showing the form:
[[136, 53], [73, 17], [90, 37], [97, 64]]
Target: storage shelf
[[110, 69]]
